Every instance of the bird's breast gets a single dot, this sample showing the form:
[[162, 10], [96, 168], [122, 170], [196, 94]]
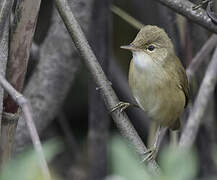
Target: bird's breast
[[155, 92]]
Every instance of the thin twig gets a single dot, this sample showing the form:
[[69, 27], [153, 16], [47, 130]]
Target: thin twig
[[185, 8], [206, 89], [110, 98], [26, 107], [201, 55], [125, 16]]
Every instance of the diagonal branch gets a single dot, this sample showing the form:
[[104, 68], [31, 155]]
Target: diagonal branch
[[184, 7], [26, 108], [206, 89], [110, 98]]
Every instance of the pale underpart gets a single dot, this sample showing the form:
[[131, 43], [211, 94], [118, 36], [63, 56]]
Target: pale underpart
[[154, 90]]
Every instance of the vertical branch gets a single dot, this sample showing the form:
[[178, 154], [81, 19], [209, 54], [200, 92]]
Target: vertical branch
[[98, 118], [5, 11], [21, 39], [9, 123], [101, 80]]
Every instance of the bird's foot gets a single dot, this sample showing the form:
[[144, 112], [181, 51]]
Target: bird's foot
[[150, 154], [121, 105]]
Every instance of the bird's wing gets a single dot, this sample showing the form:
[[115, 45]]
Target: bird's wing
[[178, 72]]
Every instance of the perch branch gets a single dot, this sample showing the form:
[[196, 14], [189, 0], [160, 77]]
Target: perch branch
[[101, 81], [198, 16], [206, 89], [26, 108]]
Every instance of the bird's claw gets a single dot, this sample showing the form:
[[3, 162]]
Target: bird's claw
[[121, 105], [150, 154]]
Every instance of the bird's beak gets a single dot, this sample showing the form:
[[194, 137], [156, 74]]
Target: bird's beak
[[130, 47]]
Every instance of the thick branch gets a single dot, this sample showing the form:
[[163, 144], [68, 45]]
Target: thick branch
[[100, 79], [184, 7], [206, 89], [5, 11], [26, 108], [21, 39], [4, 33], [6, 145]]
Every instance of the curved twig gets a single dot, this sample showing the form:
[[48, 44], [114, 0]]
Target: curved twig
[[185, 8], [26, 108]]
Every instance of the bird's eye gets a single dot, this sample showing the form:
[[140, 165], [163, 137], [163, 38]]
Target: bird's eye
[[151, 48]]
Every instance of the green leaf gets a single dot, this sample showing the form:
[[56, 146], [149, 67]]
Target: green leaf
[[26, 166], [124, 162], [178, 164]]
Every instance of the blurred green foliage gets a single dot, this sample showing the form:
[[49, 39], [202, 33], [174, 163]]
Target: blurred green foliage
[[175, 164], [26, 166]]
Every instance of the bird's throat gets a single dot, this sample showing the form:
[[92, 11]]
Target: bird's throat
[[143, 61]]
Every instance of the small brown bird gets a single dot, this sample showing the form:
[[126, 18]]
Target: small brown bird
[[157, 80]]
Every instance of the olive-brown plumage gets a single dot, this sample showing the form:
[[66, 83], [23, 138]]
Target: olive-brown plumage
[[157, 78]]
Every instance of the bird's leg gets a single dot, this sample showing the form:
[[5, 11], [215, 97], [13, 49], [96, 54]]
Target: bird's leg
[[151, 153], [173, 138], [122, 106]]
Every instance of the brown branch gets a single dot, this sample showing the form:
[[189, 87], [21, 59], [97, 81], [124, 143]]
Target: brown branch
[[26, 108], [110, 98], [201, 56], [185, 8], [206, 89], [21, 39], [9, 123]]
